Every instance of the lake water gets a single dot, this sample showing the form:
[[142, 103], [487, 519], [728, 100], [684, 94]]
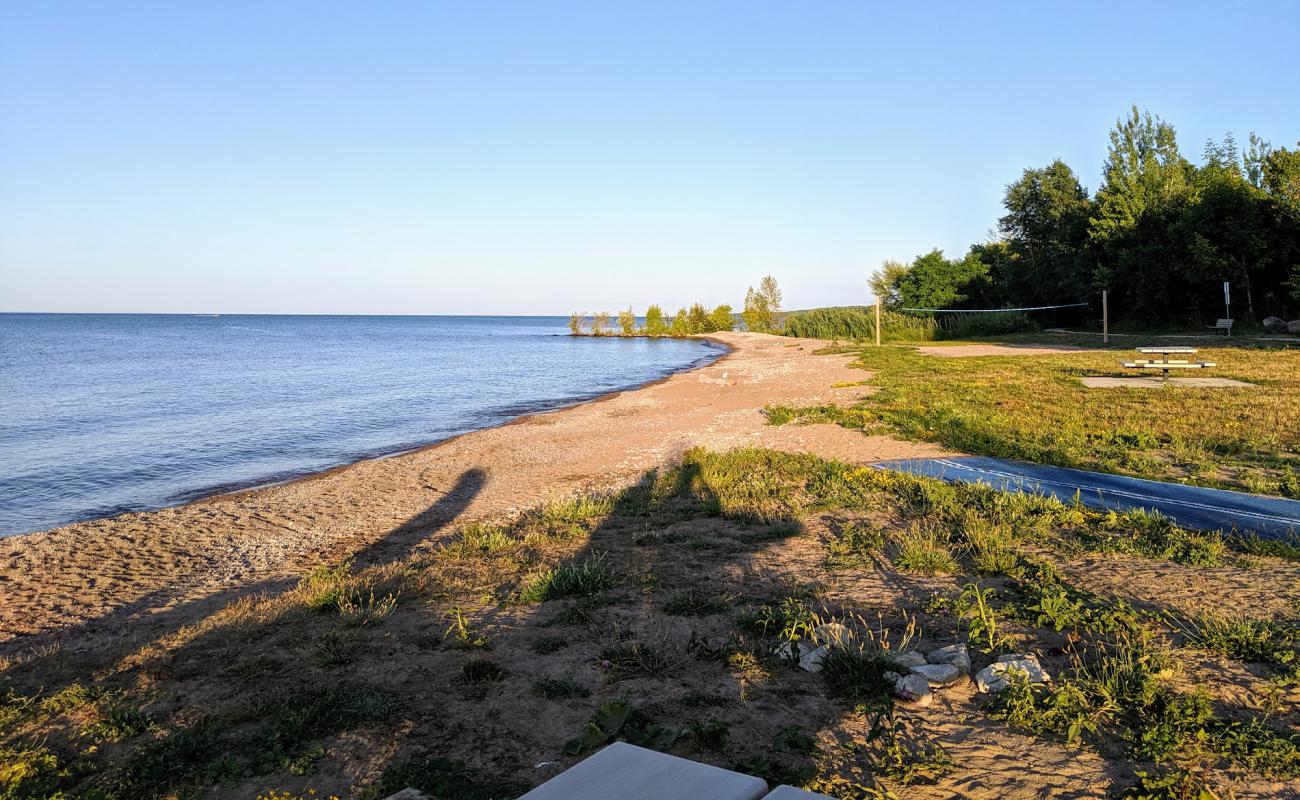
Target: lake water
[[106, 413]]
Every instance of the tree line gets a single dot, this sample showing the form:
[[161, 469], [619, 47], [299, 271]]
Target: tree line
[[1161, 234], [761, 312]]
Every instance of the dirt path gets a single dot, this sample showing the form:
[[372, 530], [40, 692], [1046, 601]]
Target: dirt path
[[114, 575]]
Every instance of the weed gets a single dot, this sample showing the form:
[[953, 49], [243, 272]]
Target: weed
[[1243, 638], [974, 607], [482, 539], [359, 607], [649, 653], [558, 689], [576, 510], [460, 632], [1176, 784], [324, 587], [442, 777], [695, 602], [545, 645], [479, 670], [794, 739], [337, 647], [618, 719], [581, 579], [991, 546], [924, 551], [790, 620], [859, 676], [117, 721], [709, 736], [856, 544]]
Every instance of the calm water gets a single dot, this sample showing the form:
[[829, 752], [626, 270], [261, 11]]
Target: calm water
[[101, 414]]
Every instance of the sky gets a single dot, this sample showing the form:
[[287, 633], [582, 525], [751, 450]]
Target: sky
[[547, 157]]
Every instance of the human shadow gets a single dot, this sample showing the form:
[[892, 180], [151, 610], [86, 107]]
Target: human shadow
[[50, 661]]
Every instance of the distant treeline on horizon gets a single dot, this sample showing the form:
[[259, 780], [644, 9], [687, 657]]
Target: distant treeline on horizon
[[761, 313]]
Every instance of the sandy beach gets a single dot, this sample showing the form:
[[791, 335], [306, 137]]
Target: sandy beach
[[127, 575]]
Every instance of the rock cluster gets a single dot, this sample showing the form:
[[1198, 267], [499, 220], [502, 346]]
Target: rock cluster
[[993, 678], [947, 666], [1279, 325]]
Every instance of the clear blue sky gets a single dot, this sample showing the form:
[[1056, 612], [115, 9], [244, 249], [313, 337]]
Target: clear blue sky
[[481, 157]]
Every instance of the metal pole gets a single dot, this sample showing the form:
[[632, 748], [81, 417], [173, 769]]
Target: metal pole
[[1105, 318], [877, 322]]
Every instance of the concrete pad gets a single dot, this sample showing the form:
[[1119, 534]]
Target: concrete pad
[[977, 350], [627, 772], [1154, 382], [791, 793]]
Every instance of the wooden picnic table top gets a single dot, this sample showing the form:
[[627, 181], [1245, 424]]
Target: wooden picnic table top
[[1166, 350]]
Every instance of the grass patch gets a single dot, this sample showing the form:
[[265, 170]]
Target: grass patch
[[558, 689], [924, 551], [590, 576], [695, 602], [1036, 409], [1244, 638]]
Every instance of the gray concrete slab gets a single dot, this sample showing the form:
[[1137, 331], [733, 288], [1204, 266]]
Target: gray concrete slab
[[1154, 382], [625, 772]]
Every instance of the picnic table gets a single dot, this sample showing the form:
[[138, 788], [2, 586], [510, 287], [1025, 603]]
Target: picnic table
[[1164, 363]]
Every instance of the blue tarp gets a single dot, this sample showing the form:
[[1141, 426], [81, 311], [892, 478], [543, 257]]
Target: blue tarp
[[1189, 506]]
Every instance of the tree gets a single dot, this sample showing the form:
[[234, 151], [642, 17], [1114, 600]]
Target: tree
[[627, 322], [771, 293], [600, 323], [884, 282], [1046, 229], [1143, 170], [681, 325], [721, 319], [654, 321], [936, 282], [575, 324], [697, 319]]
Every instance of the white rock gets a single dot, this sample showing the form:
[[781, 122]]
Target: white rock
[[812, 662], [955, 654], [408, 794], [993, 678], [909, 659], [938, 674], [916, 689], [831, 633]]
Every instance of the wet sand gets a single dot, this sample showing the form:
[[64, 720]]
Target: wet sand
[[112, 576]]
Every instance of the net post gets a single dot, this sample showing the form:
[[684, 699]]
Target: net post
[[1105, 318], [877, 322]]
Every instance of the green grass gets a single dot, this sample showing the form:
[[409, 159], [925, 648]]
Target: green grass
[[590, 576], [1245, 638], [1034, 408], [924, 551]]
